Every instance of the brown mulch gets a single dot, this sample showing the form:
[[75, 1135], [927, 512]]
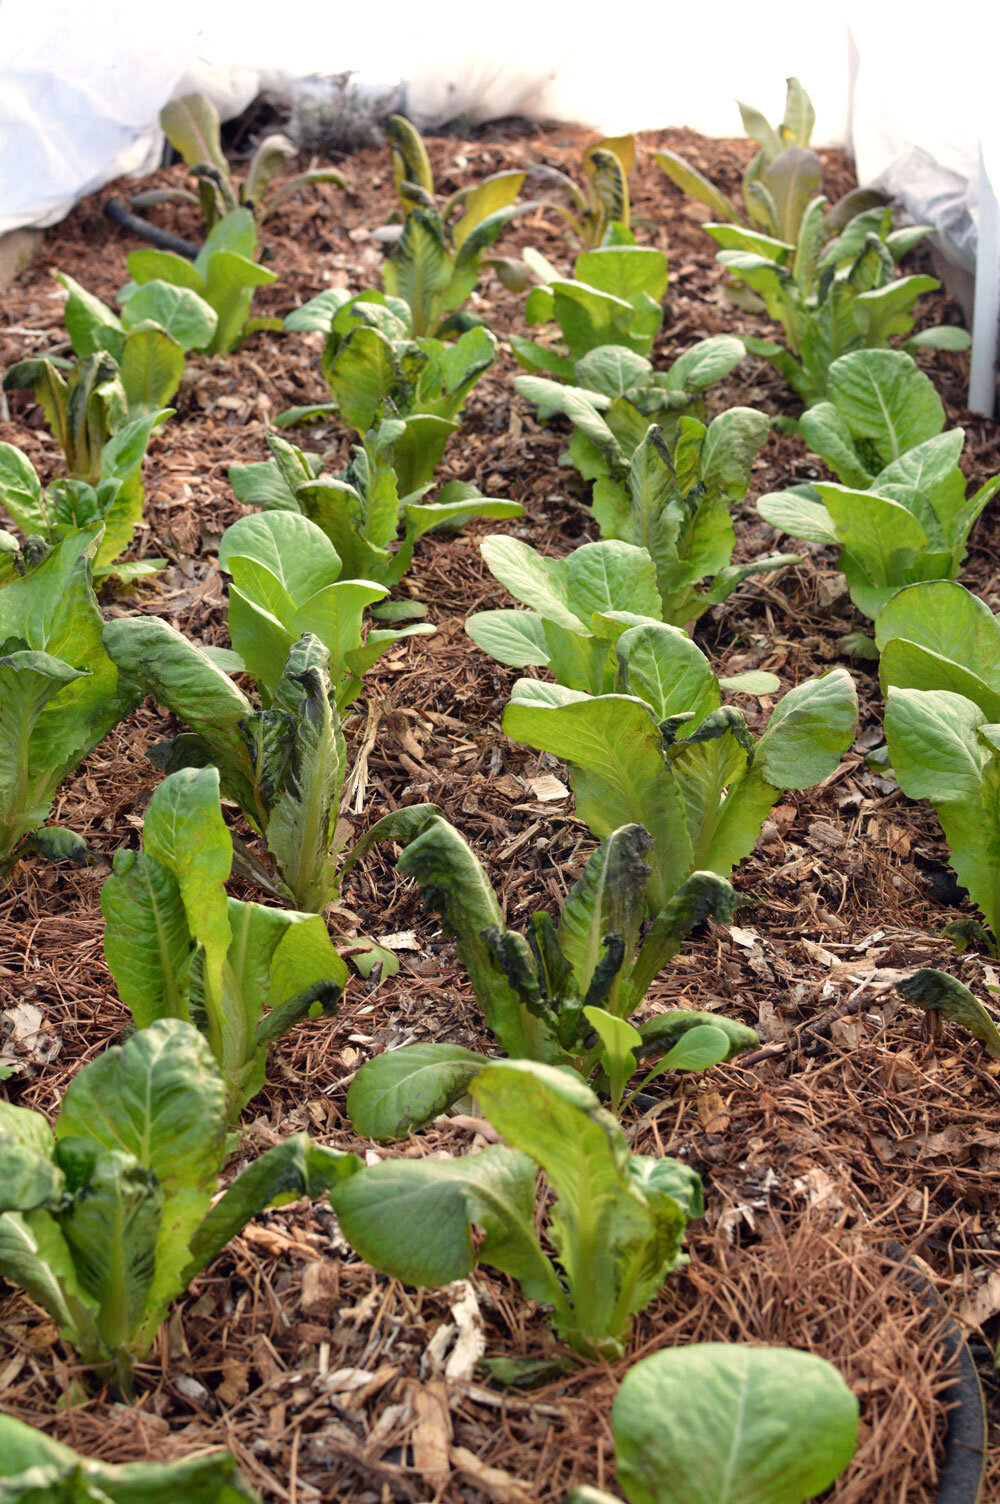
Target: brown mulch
[[851, 1127]]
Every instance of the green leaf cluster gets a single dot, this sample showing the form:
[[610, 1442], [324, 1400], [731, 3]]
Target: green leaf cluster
[[731, 1423], [107, 1220], [664, 752], [913, 525], [60, 693], [34, 1468], [376, 369], [361, 508], [669, 495], [625, 389], [615, 297], [544, 994], [159, 324], [830, 296], [437, 260], [617, 1224], [780, 180], [578, 609], [84, 404], [284, 766], [112, 502], [178, 947], [191, 125], [225, 274], [599, 211]]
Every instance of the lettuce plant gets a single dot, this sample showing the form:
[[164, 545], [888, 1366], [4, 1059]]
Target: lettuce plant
[[545, 995], [361, 508], [945, 749], [159, 324], [615, 297], [436, 262], [224, 274], [112, 501], [662, 751], [938, 635], [831, 297], [878, 405], [178, 947], [191, 125], [598, 212], [84, 404], [915, 526], [779, 181], [60, 694], [106, 1220], [625, 386], [578, 608], [285, 581], [671, 495], [616, 1227], [34, 1468], [283, 766], [376, 369], [732, 1423]]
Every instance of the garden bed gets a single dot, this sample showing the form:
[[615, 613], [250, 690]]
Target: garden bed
[[850, 1127]]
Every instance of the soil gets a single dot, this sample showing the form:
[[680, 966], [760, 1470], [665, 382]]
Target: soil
[[852, 1125]]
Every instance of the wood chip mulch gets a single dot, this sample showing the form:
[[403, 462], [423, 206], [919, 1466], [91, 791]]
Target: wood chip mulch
[[850, 1127]]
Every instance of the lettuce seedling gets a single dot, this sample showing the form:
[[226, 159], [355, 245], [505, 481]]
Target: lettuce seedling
[[283, 766], [285, 581], [914, 526], [436, 262], [191, 125], [107, 1220], [945, 749], [158, 326], [376, 369], [732, 1423], [779, 181], [178, 947], [544, 995], [60, 694], [34, 1469], [224, 274], [83, 403], [112, 501], [599, 212], [671, 495], [662, 751], [878, 405], [578, 608], [938, 635], [361, 508], [617, 1225], [615, 297], [831, 296]]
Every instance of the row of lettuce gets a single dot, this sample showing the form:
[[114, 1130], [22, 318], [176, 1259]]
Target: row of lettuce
[[105, 1219]]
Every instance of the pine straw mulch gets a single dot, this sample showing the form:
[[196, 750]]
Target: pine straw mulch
[[850, 1126]]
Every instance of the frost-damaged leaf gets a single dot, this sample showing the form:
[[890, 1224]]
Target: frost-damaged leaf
[[732, 1424], [937, 992]]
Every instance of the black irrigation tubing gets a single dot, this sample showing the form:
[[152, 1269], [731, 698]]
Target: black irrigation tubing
[[162, 239], [964, 1468]]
